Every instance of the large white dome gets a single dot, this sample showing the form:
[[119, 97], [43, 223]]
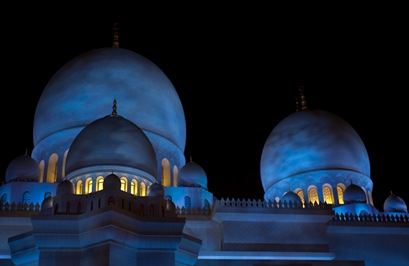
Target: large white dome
[[83, 89], [313, 147]]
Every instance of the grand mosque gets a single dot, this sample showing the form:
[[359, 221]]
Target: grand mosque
[[107, 183]]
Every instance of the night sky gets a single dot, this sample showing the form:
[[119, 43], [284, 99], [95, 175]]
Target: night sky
[[237, 79]]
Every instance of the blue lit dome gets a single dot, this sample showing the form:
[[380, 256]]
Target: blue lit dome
[[112, 143], [293, 197], [23, 168], [192, 175], [394, 203], [312, 147], [354, 193], [82, 90], [156, 190]]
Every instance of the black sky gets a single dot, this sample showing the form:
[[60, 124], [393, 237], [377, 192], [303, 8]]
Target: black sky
[[237, 76]]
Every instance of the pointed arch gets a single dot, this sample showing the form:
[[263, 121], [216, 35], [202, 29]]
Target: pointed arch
[[99, 183], [175, 176], [41, 165], [134, 187], [78, 189], [327, 194], [142, 189], [300, 194], [313, 195], [165, 172], [52, 168], [124, 184], [88, 185], [340, 193]]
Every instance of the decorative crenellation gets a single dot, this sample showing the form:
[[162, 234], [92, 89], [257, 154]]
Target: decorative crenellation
[[383, 218], [271, 204], [193, 211], [19, 209]]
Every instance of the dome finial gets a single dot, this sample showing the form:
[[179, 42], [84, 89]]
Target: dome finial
[[297, 104], [115, 27], [26, 151], [303, 101], [114, 113], [190, 158]]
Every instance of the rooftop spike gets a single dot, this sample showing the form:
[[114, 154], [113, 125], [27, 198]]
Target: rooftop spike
[[115, 43]]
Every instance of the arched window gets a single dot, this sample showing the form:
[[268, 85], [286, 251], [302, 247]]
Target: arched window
[[165, 172], [78, 190], [134, 187], [142, 188], [340, 192], [88, 185], [175, 176], [327, 194], [52, 168], [300, 194], [100, 183], [313, 195], [41, 165], [124, 184], [26, 197]]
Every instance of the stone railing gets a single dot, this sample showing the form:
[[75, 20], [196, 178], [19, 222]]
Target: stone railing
[[19, 209], [381, 218], [275, 205]]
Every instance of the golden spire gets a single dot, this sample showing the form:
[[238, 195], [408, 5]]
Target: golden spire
[[114, 113], [303, 101], [297, 104], [116, 37]]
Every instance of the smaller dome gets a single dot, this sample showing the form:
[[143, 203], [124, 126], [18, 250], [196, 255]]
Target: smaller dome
[[112, 181], [394, 203], [65, 187], [354, 194], [47, 203], [23, 168], [156, 190], [115, 143], [293, 197], [192, 175]]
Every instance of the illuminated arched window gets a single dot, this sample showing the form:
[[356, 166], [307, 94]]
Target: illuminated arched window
[[124, 184], [175, 176], [313, 195], [100, 183], [165, 172], [41, 165], [52, 168], [327, 194], [142, 189], [300, 194], [78, 190], [340, 192], [134, 187], [64, 160], [26, 197], [88, 185]]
